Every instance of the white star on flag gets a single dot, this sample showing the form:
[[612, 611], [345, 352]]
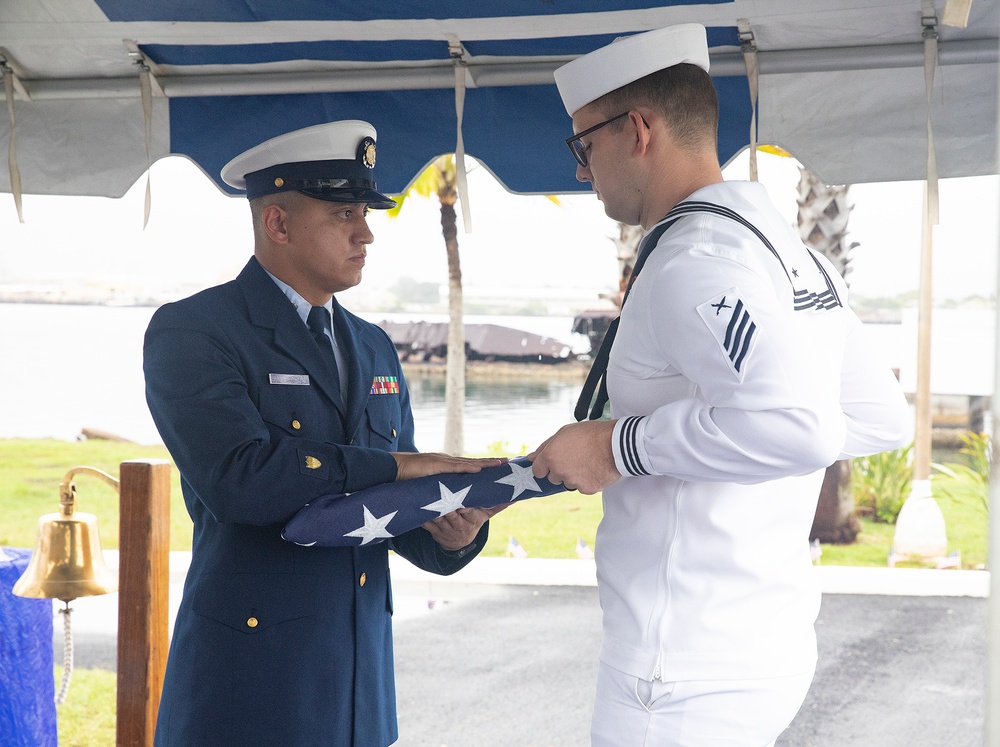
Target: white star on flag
[[374, 528], [520, 478], [449, 501], [405, 503]]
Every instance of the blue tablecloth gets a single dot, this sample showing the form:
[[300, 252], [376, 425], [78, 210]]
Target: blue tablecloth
[[27, 682]]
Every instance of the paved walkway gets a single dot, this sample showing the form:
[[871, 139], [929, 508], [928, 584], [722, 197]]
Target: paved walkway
[[833, 579], [902, 657], [504, 654]]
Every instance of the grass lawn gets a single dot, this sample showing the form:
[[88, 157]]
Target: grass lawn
[[87, 718], [547, 527], [30, 473], [966, 525]]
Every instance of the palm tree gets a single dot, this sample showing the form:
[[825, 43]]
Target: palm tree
[[440, 179], [822, 219], [627, 245], [595, 324], [822, 225]]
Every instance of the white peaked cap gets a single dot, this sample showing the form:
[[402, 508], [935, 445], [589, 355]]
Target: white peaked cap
[[627, 59], [334, 161], [331, 141]]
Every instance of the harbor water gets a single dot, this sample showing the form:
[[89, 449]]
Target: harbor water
[[66, 368]]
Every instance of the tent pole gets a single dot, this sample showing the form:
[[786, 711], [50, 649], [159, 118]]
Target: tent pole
[[992, 735], [924, 422], [920, 528], [958, 52], [993, 625]]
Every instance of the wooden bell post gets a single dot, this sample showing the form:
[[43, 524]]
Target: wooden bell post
[[143, 597]]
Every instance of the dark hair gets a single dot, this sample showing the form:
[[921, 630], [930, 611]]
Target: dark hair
[[683, 94], [285, 200]]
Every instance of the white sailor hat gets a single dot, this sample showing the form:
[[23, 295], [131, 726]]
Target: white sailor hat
[[627, 59], [333, 161]]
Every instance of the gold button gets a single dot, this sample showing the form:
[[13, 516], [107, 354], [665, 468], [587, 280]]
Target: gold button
[[296, 424], [393, 432], [362, 580], [252, 622]]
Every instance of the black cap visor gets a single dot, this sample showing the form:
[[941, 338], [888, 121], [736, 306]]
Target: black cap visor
[[367, 195], [332, 181]]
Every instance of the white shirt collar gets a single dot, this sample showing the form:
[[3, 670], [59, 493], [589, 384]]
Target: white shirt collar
[[302, 306]]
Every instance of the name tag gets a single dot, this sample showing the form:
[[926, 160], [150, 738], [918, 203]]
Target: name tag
[[289, 379]]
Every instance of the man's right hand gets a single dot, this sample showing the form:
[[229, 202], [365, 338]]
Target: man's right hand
[[579, 456], [411, 464]]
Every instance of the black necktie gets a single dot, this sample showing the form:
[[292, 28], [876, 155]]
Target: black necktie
[[319, 322]]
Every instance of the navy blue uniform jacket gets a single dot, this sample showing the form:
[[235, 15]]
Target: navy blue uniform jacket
[[277, 644]]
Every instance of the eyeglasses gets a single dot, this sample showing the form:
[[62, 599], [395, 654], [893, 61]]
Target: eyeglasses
[[576, 146]]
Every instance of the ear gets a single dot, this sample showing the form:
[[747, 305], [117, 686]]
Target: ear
[[274, 221], [644, 132]]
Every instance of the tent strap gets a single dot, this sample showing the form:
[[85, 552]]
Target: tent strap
[[462, 182], [929, 21], [146, 89], [147, 85], [749, 49], [15, 172]]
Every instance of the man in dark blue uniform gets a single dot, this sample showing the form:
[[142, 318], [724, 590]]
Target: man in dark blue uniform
[[268, 394]]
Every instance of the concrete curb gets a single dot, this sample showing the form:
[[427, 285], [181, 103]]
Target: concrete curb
[[555, 572], [833, 579], [913, 582]]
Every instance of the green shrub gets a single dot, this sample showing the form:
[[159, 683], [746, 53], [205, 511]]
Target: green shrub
[[881, 483], [967, 482]]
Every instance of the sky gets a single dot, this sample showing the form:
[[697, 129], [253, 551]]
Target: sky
[[197, 236]]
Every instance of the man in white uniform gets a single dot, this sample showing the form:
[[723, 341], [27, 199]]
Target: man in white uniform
[[737, 374]]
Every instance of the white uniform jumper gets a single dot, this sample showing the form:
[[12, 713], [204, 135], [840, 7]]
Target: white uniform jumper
[[724, 376]]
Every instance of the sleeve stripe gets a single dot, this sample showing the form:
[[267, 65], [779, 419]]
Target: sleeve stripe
[[628, 441], [746, 346], [737, 312]]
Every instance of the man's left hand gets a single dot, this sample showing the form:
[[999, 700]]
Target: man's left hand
[[459, 528]]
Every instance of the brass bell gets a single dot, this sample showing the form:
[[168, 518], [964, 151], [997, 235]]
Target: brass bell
[[67, 562]]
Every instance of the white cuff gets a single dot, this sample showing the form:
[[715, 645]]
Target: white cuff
[[627, 445]]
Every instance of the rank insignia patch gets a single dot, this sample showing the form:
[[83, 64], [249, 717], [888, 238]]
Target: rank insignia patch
[[733, 327], [385, 385]]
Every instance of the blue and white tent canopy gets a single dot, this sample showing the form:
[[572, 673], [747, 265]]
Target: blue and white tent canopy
[[841, 82]]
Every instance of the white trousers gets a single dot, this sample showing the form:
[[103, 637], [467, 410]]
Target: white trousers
[[631, 712]]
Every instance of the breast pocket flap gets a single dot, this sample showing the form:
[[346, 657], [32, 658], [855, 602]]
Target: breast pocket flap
[[254, 602]]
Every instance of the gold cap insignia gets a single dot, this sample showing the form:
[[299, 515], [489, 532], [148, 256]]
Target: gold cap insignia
[[313, 463], [366, 152]]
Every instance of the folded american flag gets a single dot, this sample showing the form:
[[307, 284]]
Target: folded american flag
[[384, 511]]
